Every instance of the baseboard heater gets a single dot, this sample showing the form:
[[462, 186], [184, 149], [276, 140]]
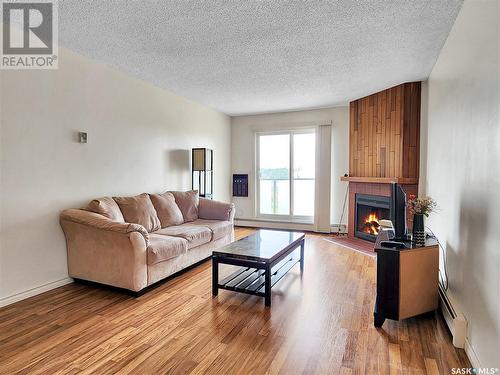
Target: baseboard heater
[[454, 319]]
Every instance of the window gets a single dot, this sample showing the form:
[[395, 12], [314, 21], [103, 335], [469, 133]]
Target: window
[[286, 173]]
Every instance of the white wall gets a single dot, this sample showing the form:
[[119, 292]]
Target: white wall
[[463, 169], [243, 130], [139, 141]]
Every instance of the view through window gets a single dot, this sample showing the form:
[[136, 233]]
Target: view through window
[[286, 173]]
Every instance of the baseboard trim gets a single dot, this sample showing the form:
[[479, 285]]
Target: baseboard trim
[[273, 225], [473, 358], [5, 301], [288, 225], [338, 228]]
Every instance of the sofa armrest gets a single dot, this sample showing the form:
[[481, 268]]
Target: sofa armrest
[[215, 210], [101, 222], [105, 251]]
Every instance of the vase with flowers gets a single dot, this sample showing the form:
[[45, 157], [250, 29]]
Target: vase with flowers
[[420, 207]]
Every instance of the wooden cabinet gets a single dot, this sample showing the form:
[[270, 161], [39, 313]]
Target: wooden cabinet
[[407, 280]]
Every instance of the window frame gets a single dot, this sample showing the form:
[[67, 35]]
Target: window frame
[[281, 217]]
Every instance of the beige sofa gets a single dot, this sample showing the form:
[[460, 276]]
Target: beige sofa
[[133, 242]]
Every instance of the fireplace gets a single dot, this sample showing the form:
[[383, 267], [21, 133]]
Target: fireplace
[[369, 210]]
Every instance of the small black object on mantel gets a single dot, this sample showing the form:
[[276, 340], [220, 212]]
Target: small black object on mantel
[[202, 162]]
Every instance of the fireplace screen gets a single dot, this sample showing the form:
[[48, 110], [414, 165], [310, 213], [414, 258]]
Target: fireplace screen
[[369, 210]]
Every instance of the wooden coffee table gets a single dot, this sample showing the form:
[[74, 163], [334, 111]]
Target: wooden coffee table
[[264, 257]]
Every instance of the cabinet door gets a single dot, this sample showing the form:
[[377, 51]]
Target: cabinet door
[[418, 281], [388, 283]]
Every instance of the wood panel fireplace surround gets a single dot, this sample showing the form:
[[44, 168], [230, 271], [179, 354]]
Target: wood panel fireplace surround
[[384, 138]]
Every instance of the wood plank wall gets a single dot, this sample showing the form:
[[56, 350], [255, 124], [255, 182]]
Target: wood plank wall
[[384, 133]]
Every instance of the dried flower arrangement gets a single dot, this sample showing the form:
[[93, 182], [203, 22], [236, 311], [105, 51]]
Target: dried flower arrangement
[[423, 205]]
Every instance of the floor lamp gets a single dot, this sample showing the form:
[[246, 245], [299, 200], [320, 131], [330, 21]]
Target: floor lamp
[[202, 172]]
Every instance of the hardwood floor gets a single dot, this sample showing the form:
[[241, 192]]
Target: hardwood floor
[[320, 323]]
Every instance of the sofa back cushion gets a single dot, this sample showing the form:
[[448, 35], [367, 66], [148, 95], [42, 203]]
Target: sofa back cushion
[[188, 204], [167, 210], [139, 210], [107, 207]]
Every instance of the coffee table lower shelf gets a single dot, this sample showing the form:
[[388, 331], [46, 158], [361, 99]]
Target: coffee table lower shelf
[[252, 280]]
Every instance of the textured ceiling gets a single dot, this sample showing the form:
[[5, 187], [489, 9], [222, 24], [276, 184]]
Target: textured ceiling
[[245, 57]]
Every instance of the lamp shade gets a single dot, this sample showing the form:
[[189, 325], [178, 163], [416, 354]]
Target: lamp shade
[[202, 159]]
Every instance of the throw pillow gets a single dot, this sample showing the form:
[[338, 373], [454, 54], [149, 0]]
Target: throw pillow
[[139, 210], [167, 210], [188, 204], [107, 207]]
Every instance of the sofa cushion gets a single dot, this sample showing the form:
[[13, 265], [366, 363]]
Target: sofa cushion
[[167, 210], [219, 228], [188, 204], [107, 207], [139, 210], [195, 235], [163, 248]]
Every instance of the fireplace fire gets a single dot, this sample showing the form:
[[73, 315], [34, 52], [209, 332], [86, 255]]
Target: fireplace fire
[[368, 211], [371, 224]]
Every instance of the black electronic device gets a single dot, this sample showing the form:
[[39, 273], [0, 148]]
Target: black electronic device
[[398, 212], [393, 244]]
